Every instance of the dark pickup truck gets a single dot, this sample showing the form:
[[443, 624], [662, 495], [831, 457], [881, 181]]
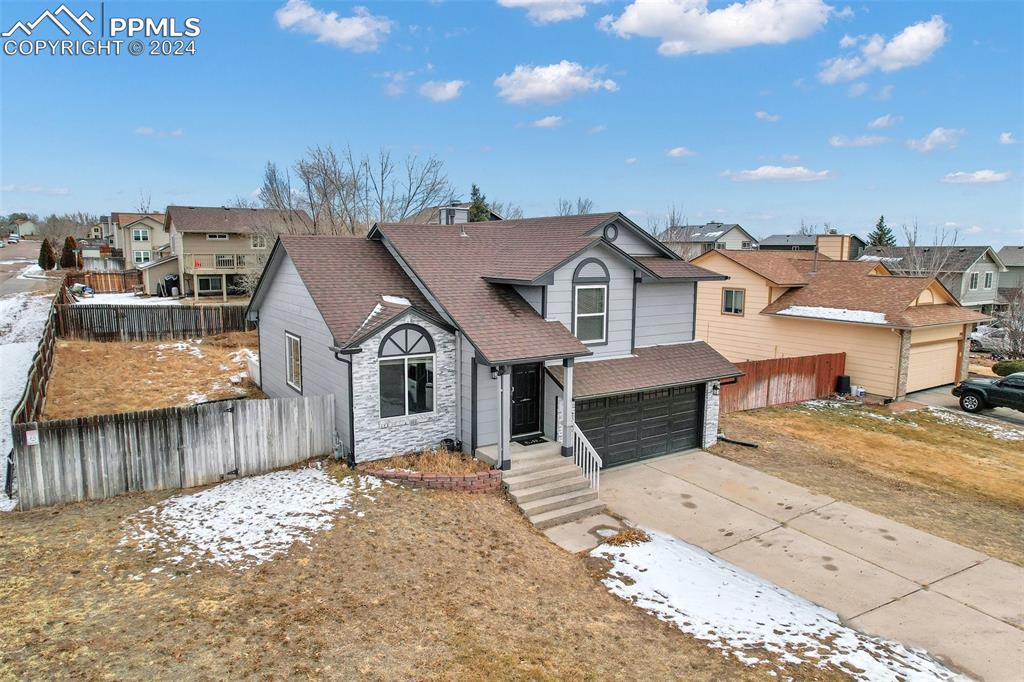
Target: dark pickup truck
[[982, 394]]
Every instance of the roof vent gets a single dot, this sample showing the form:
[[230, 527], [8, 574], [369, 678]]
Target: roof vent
[[462, 230]]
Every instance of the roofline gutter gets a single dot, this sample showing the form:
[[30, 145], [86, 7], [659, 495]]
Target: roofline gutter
[[874, 324], [528, 361]]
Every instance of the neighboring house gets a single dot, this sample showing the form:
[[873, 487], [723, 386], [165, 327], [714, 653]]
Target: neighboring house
[[99, 256], [689, 241], [23, 227], [138, 235], [1012, 279], [900, 334], [833, 244], [448, 214], [215, 248], [971, 273], [483, 332]]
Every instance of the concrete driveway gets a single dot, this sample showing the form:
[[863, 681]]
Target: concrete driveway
[[941, 397], [880, 576]]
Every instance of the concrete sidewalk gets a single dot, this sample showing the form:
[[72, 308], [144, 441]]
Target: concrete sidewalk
[[880, 576]]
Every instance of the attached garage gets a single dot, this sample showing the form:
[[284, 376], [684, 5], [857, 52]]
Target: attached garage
[[634, 426], [932, 363]]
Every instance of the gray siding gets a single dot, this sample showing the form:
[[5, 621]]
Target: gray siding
[[552, 395], [620, 300], [466, 395], [664, 313], [532, 295], [287, 305], [981, 295], [1013, 277], [486, 407], [633, 244]]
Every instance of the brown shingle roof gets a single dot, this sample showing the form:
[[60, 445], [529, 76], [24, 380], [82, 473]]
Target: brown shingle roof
[[125, 219], [238, 220], [649, 368], [347, 277], [782, 268], [668, 268]]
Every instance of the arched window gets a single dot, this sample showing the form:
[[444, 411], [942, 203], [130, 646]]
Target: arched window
[[406, 358], [590, 302]]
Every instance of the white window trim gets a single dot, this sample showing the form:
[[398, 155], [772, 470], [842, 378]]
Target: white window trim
[[743, 301], [211, 278], [147, 259], [216, 236], [141, 231], [259, 241], [405, 391], [603, 315], [989, 279], [972, 281], [288, 336]]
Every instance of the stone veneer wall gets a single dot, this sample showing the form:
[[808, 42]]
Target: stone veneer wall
[[376, 438], [711, 401]]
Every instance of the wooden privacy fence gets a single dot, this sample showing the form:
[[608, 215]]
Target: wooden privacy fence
[[782, 380], [148, 322], [93, 458], [31, 404], [106, 282]]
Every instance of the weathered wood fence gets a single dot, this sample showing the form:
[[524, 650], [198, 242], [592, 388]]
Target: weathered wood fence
[[148, 322], [782, 380], [31, 404], [106, 282], [93, 458]]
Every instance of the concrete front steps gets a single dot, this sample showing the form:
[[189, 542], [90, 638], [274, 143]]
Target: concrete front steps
[[549, 488]]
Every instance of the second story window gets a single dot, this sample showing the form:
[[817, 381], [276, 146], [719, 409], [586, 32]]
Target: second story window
[[747, 245], [140, 234], [988, 280], [732, 301], [972, 281], [216, 237], [259, 241], [590, 302]]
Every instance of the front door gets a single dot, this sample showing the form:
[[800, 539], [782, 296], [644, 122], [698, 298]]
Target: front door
[[526, 399]]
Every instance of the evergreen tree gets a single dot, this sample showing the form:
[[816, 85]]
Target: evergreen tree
[[479, 211], [881, 235], [47, 256], [68, 258]]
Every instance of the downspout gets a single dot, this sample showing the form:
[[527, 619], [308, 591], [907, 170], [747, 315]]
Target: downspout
[[338, 353]]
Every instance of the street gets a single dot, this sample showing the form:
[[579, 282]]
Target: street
[[13, 259]]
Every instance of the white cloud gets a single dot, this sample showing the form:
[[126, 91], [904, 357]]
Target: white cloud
[[632, 161], [939, 138], [599, 128], [1007, 138], [859, 141], [35, 189], [146, 131], [790, 158], [679, 152], [973, 229], [441, 91], [551, 83], [550, 11], [857, 89], [361, 32], [547, 122], [886, 121], [778, 174], [848, 41], [765, 116], [885, 94], [912, 46], [975, 178], [688, 26]]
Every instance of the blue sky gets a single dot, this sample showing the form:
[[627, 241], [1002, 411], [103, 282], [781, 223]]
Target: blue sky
[[547, 101]]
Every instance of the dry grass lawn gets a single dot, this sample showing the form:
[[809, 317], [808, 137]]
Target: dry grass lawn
[[93, 377], [427, 585], [434, 461], [951, 480]]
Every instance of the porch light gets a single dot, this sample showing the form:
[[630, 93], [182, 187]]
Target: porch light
[[715, 388]]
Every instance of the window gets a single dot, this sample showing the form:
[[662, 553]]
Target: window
[[224, 260], [140, 234], [293, 360], [406, 372], [720, 246], [972, 283], [732, 301], [239, 260], [259, 241], [988, 280], [142, 256], [591, 312], [449, 216], [210, 284], [219, 236], [747, 245]]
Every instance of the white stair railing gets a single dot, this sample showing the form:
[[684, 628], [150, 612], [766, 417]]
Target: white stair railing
[[586, 457]]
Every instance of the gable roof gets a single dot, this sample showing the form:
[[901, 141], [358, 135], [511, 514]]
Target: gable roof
[[1012, 256], [429, 213], [125, 219], [709, 232], [355, 283], [781, 268], [236, 220], [954, 258]]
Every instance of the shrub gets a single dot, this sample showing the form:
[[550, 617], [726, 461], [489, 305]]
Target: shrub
[[68, 258], [47, 256], [1006, 367]]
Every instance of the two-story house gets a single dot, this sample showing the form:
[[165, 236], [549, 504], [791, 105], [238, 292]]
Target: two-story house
[[690, 241], [139, 236], [970, 273], [1011, 282], [836, 245], [495, 335]]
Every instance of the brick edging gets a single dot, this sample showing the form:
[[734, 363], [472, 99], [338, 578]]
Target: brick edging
[[482, 482]]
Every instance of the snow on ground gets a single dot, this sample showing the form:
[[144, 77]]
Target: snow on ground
[[190, 346], [126, 299], [243, 523], [32, 271], [22, 317], [834, 314], [996, 429], [743, 615], [855, 408]]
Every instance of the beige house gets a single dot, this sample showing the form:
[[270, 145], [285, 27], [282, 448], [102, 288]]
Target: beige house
[[217, 249], [900, 334], [689, 241], [139, 235]]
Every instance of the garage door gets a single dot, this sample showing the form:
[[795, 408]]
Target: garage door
[[932, 364], [634, 426]]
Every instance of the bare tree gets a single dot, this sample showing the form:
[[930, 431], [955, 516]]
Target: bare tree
[[917, 258], [1012, 322], [507, 209], [581, 206], [57, 227], [807, 230], [676, 234], [144, 203]]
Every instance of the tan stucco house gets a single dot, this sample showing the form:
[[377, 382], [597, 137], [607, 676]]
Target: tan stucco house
[[900, 334]]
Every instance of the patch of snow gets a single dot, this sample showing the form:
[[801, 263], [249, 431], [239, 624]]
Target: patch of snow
[[191, 346], [195, 397], [743, 615], [243, 523], [377, 310], [713, 234], [126, 299], [397, 300], [995, 429], [243, 355], [17, 261], [22, 317], [841, 314], [855, 408], [32, 271]]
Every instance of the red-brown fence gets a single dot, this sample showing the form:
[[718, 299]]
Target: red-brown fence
[[782, 380], [107, 282]]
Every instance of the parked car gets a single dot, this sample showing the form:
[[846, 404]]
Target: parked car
[[982, 394], [991, 341], [13, 239]]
